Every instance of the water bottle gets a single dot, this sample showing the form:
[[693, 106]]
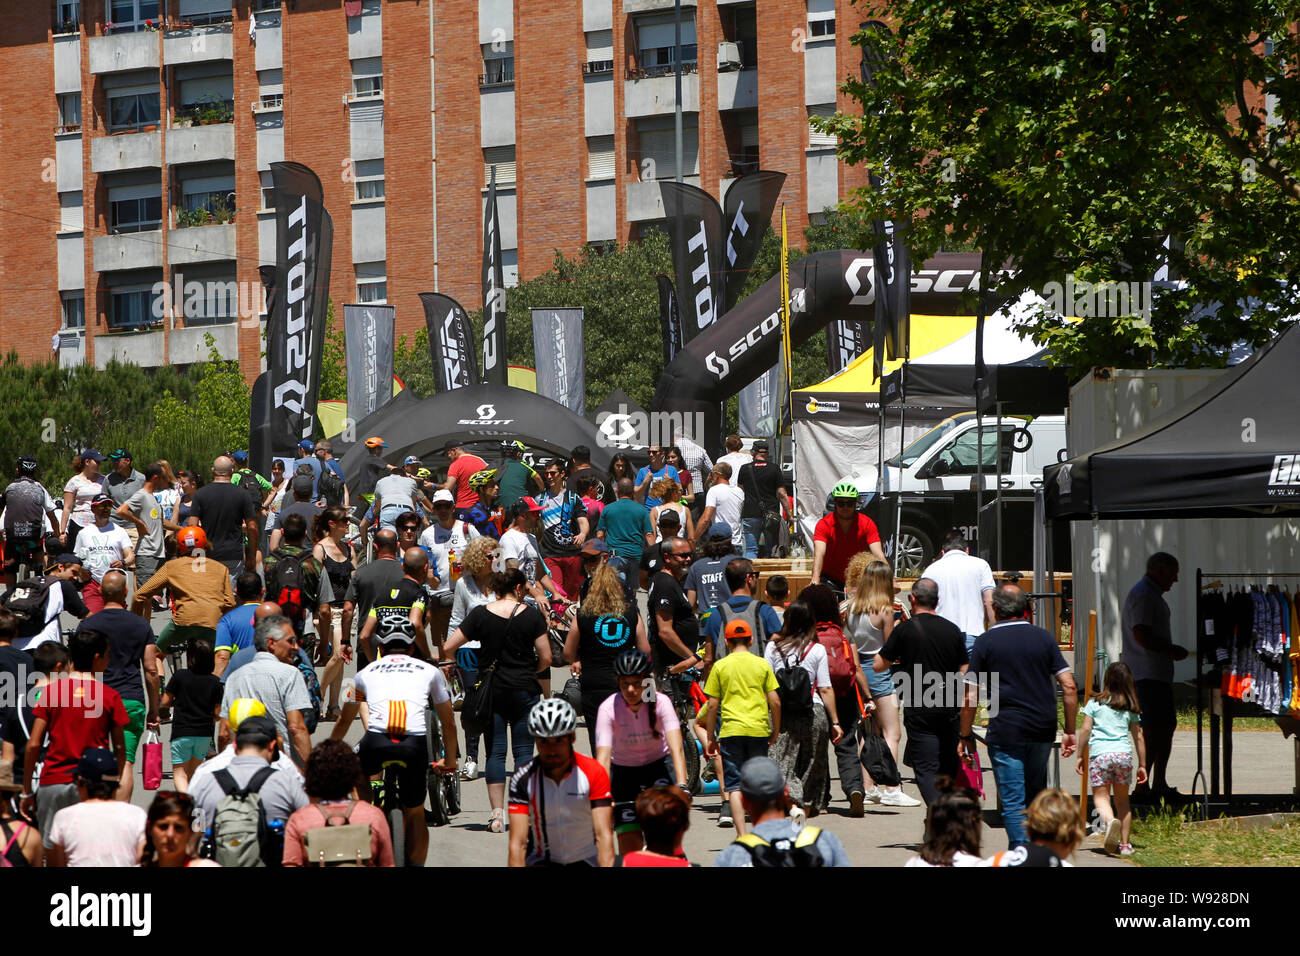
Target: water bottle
[[453, 563]]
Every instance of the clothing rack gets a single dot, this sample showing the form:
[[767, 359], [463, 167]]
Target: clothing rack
[[1222, 725]]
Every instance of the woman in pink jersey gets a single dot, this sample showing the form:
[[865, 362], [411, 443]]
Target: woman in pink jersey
[[639, 742]]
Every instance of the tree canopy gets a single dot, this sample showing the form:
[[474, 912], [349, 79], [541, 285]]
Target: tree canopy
[[1100, 140]]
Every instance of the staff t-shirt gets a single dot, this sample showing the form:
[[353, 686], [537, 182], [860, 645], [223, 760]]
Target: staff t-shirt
[[222, 508], [708, 579]]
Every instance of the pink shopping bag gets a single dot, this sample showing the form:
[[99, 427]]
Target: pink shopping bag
[[153, 769], [970, 775]]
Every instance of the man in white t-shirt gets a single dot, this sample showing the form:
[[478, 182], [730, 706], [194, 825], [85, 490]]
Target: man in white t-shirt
[[99, 830], [735, 458], [102, 547], [447, 534], [723, 504], [965, 587], [519, 549]]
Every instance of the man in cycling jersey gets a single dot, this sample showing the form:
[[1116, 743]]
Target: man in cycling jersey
[[485, 515], [560, 797], [397, 688]]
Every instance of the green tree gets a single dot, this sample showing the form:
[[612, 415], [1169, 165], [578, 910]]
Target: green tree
[[333, 366], [190, 433], [1102, 140]]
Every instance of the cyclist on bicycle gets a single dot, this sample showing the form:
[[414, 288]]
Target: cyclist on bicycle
[[560, 813], [27, 507], [638, 742], [397, 688]]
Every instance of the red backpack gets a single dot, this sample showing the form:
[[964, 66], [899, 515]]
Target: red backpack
[[841, 657]]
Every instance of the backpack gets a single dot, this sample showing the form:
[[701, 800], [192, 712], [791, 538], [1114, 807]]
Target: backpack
[[794, 687], [330, 486], [310, 717], [29, 601], [288, 591], [752, 614], [337, 844], [241, 835], [800, 852], [248, 481], [841, 657]]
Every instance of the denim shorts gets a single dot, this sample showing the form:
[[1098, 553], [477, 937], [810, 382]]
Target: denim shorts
[[735, 751], [882, 685], [190, 748]]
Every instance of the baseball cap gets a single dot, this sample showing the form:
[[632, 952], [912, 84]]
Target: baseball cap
[[531, 503], [302, 484], [760, 445], [375, 441], [101, 499], [97, 764], [441, 495], [737, 630], [720, 531], [761, 779], [256, 729], [241, 457], [448, 445], [67, 557], [594, 546], [410, 460], [119, 453], [306, 444], [92, 455]]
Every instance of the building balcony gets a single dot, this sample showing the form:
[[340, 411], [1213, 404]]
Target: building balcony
[[198, 44], [123, 151], [645, 95], [188, 346], [147, 349], [651, 6], [200, 144], [645, 201], [135, 250], [72, 348], [121, 52], [215, 243], [738, 90]]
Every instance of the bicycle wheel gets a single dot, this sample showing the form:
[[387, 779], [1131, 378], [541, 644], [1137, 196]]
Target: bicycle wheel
[[396, 819], [437, 813], [691, 749], [451, 792]]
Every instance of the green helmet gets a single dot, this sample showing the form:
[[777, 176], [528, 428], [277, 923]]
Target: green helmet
[[845, 489], [481, 479]]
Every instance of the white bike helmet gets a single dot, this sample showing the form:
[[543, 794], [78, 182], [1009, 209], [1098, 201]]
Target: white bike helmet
[[552, 717]]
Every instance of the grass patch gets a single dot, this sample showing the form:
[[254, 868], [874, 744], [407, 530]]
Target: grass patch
[[1187, 721], [1168, 839]]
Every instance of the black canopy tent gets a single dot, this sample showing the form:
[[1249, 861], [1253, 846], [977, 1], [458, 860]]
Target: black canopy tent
[[481, 416], [1230, 451]]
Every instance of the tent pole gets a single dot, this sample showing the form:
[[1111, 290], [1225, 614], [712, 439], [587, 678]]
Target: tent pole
[[898, 492], [1087, 692], [1098, 564]]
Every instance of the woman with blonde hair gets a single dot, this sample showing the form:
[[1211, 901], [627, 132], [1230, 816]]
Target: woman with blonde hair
[[474, 589], [670, 493], [606, 625], [868, 622], [1055, 829]]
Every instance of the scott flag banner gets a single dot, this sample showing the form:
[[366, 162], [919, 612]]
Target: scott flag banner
[[304, 241], [494, 294], [451, 342], [747, 213], [670, 321], [558, 357], [694, 222], [368, 334]]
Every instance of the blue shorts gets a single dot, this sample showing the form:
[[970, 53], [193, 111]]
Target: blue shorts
[[882, 685], [735, 751], [190, 748]]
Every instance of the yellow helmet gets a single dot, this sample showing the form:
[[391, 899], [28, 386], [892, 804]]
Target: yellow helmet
[[244, 707]]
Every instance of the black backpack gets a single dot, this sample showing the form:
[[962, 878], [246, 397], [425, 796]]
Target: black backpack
[[288, 592], [248, 481], [330, 486], [28, 600], [795, 687], [785, 853]]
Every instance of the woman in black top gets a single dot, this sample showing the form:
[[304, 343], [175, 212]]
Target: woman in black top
[[513, 644], [604, 627], [620, 466], [336, 558]]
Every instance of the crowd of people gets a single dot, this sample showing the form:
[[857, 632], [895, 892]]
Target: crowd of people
[[460, 590]]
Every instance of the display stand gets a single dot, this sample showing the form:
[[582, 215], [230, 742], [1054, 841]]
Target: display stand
[[1221, 725]]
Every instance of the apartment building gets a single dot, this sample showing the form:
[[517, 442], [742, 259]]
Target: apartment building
[[137, 137]]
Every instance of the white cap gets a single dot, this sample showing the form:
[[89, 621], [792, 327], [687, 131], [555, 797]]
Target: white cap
[[442, 494]]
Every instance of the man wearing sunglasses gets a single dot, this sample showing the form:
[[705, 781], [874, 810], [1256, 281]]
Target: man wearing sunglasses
[[565, 528], [840, 535], [651, 473]]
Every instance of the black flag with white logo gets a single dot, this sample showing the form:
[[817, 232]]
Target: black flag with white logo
[[670, 322], [368, 334], [494, 294], [304, 241], [747, 214], [694, 221], [846, 339], [451, 342]]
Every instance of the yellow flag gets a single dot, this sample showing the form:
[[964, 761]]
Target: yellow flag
[[785, 314]]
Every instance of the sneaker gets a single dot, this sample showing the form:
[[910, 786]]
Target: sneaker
[[872, 796], [725, 822], [1112, 843], [855, 803], [469, 771], [895, 797], [1126, 849]]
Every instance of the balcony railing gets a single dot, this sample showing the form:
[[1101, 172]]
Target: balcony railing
[[268, 101], [66, 27], [642, 73], [205, 113], [67, 128], [199, 20], [153, 24], [597, 67]]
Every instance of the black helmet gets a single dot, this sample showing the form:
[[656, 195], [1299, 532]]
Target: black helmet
[[632, 663], [27, 465]]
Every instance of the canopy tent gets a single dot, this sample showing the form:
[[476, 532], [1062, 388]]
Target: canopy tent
[[480, 416], [1231, 450]]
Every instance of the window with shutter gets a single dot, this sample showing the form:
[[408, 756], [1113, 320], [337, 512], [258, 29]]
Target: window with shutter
[[600, 157]]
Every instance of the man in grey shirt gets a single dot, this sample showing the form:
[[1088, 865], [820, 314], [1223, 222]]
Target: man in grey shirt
[[255, 748], [122, 482], [1150, 653], [272, 678], [767, 802], [143, 511]]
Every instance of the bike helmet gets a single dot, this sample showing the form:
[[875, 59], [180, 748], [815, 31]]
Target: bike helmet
[[552, 717], [395, 630], [27, 465], [845, 489], [243, 707], [515, 447], [631, 663], [191, 538], [481, 479]]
